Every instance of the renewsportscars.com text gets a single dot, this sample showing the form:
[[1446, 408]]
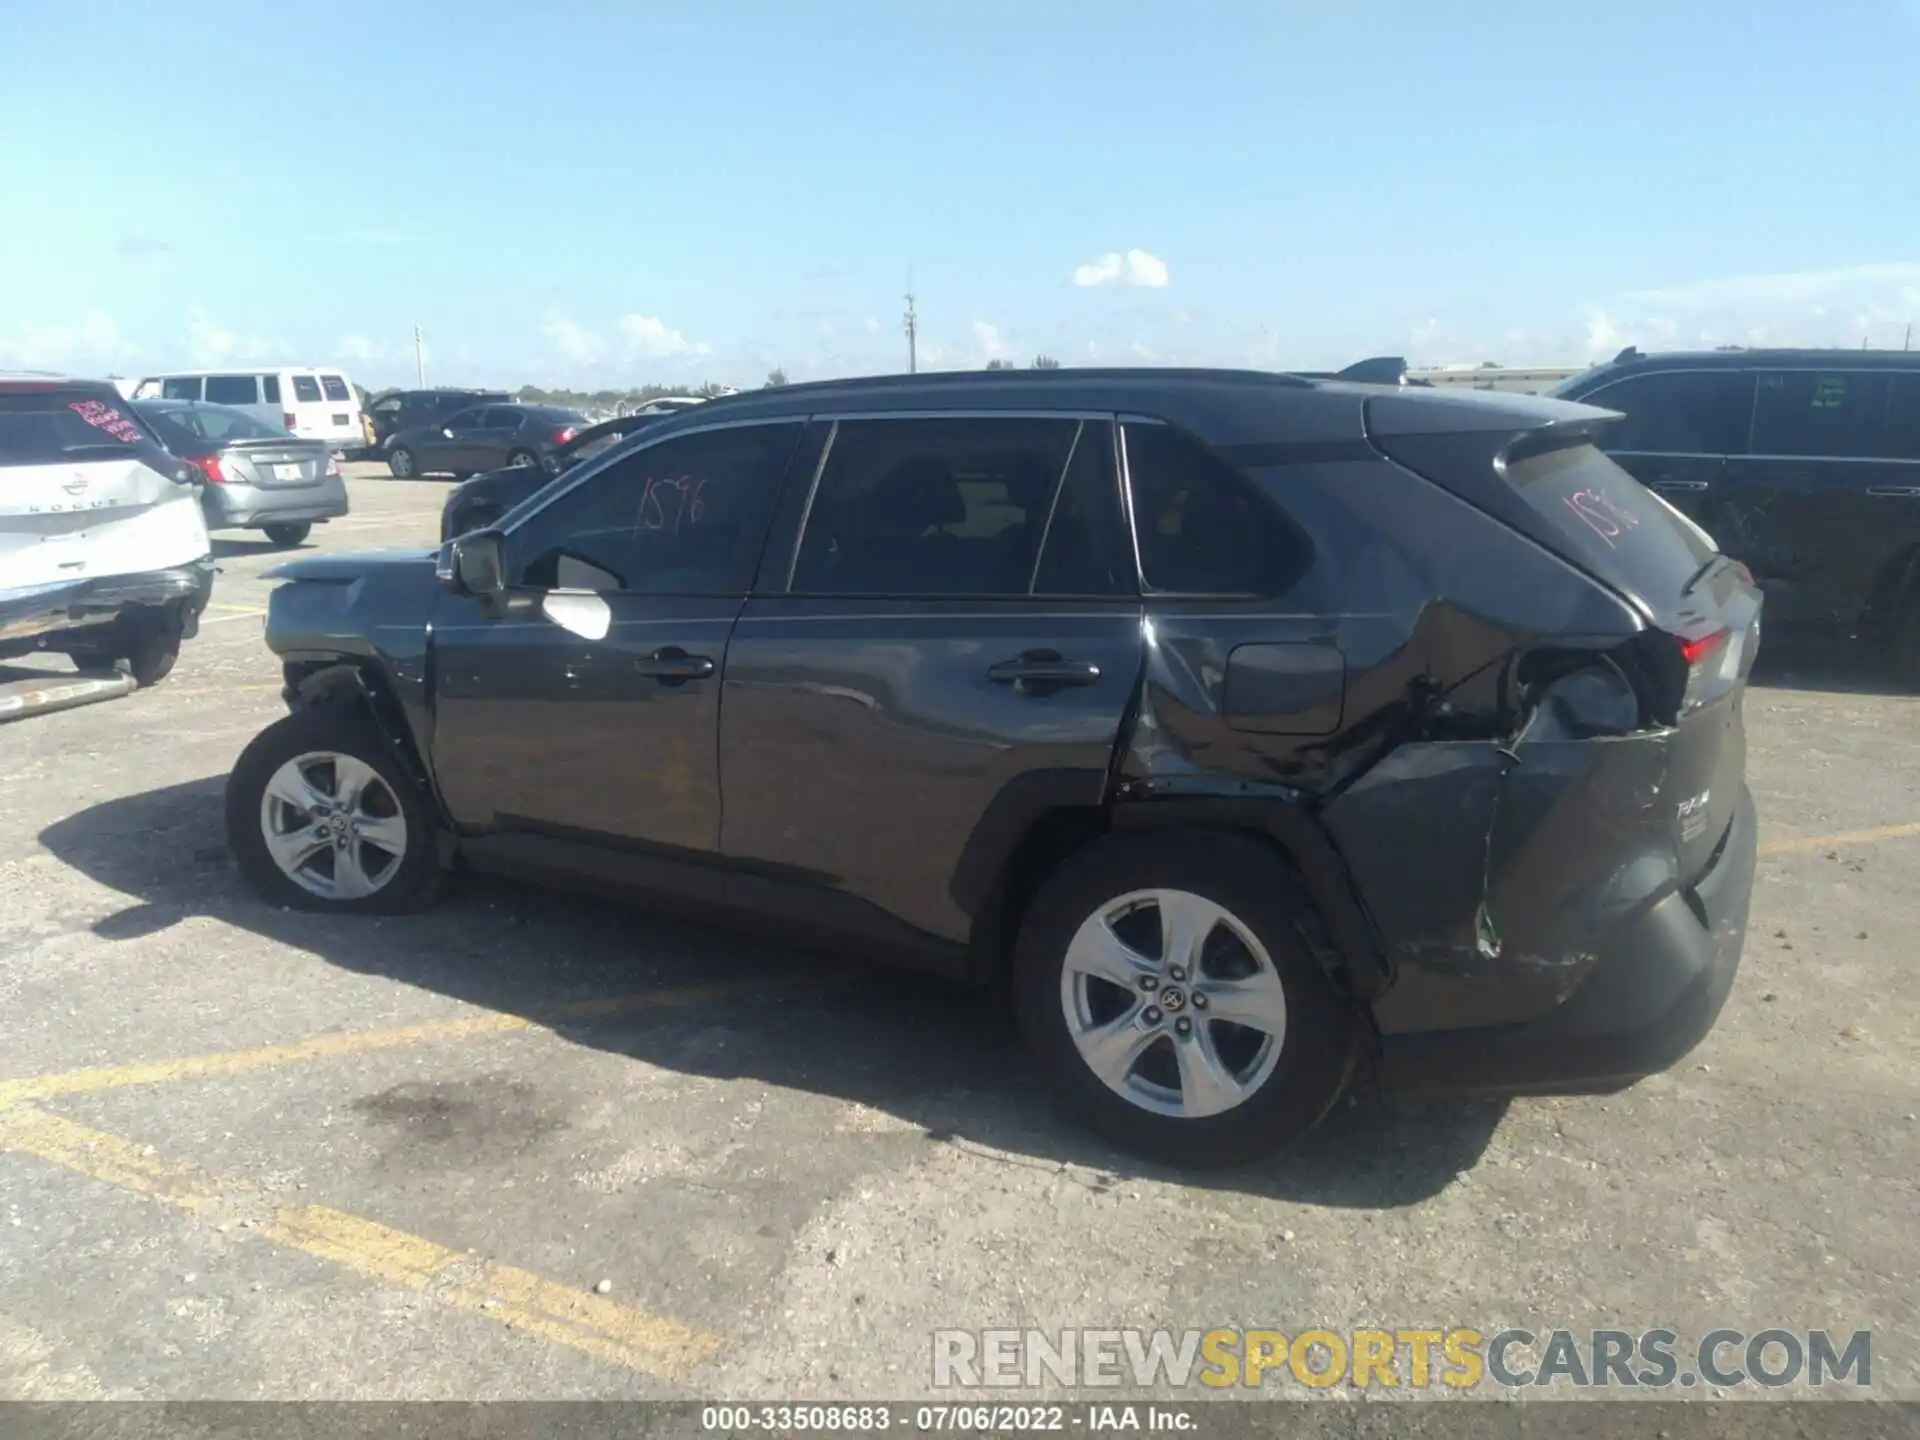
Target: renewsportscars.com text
[[1458, 1358]]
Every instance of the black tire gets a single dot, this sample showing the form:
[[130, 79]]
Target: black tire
[[413, 881], [1322, 1031], [149, 644], [523, 459], [403, 462], [289, 535]]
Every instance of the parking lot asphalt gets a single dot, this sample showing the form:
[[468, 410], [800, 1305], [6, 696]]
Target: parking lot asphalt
[[250, 1153]]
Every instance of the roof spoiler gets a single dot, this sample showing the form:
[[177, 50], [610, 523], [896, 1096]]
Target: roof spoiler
[[1376, 370]]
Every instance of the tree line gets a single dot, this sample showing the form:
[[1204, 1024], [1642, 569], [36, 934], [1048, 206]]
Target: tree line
[[641, 394]]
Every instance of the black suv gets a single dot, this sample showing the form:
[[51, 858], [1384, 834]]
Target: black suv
[[410, 409], [1804, 464], [1250, 727]]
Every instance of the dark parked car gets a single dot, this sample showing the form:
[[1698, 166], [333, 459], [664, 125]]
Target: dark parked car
[[480, 501], [1253, 728], [487, 437], [411, 409], [1804, 464], [257, 477]]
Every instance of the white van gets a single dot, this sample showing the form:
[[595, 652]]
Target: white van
[[307, 401]]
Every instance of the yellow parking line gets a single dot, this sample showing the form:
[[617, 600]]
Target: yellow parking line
[[621, 1334], [1799, 844], [356, 1042]]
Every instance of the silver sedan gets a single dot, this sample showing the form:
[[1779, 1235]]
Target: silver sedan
[[258, 477]]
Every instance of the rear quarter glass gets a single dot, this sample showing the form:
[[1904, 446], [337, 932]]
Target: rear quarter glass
[[1612, 524]]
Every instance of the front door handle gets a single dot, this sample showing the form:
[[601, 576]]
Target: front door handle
[[1901, 492], [674, 666], [1038, 668]]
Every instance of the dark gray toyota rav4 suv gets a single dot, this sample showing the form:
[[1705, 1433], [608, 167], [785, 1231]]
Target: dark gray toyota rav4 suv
[[1255, 729]]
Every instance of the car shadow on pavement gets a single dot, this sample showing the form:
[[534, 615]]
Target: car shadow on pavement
[[235, 547], [937, 1055]]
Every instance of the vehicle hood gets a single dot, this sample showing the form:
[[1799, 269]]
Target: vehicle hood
[[355, 565]]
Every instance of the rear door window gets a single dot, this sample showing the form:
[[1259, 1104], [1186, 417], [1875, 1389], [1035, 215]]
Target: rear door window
[[1821, 414], [306, 389], [1200, 527], [501, 418], [932, 507], [335, 387], [1085, 551], [1613, 524], [180, 387], [270, 388], [1692, 412], [233, 390]]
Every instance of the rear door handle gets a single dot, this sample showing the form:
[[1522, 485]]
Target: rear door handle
[[1671, 486], [1043, 667], [1902, 492], [673, 666]]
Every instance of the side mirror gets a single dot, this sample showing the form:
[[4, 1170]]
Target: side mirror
[[477, 565]]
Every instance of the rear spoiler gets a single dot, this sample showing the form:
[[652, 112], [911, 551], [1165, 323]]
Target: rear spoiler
[[1377, 370]]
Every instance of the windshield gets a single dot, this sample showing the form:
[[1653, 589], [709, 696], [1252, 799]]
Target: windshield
[[195, 427], [46, 427]]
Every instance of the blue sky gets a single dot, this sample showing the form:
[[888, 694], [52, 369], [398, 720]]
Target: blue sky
[[586, 192]]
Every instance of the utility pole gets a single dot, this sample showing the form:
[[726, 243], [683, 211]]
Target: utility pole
[[419, 355], [1907, 344], [913, 333]]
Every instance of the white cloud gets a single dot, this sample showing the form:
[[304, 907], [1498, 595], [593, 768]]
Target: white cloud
[[358, 349], [95, 344], [1135, 267], [211, 343], [872, 325], [573, 340], [1143, 350], [650, 338], [987, 340]]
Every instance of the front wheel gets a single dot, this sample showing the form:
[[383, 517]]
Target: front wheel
[[321, 815], [287, 536], [1166, 985], [403, 462]]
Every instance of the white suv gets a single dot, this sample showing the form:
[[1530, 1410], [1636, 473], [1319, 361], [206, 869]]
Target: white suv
[[104, 554]]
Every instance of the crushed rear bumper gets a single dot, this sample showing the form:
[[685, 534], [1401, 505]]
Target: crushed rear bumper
[[38, 617], [1652, 994]]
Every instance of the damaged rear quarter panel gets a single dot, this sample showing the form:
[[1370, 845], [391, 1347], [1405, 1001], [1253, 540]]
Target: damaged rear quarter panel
[[1489, 875]]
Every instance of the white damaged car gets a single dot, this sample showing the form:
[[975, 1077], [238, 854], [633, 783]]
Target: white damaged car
[[104, 554]]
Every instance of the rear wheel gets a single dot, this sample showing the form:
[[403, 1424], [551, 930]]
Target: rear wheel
[[1166, 985], [523, 459], [403, 462], [321, 815], [289, 534]]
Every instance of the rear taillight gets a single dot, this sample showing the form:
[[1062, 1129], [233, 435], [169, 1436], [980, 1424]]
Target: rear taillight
[[333, 464], [209, 466], [563, 435], [286, 421]]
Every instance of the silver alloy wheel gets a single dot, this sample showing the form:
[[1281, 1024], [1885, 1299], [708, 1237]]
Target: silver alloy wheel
[[401, 463], [333, 826], [1213, 1038], [521, 460]]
